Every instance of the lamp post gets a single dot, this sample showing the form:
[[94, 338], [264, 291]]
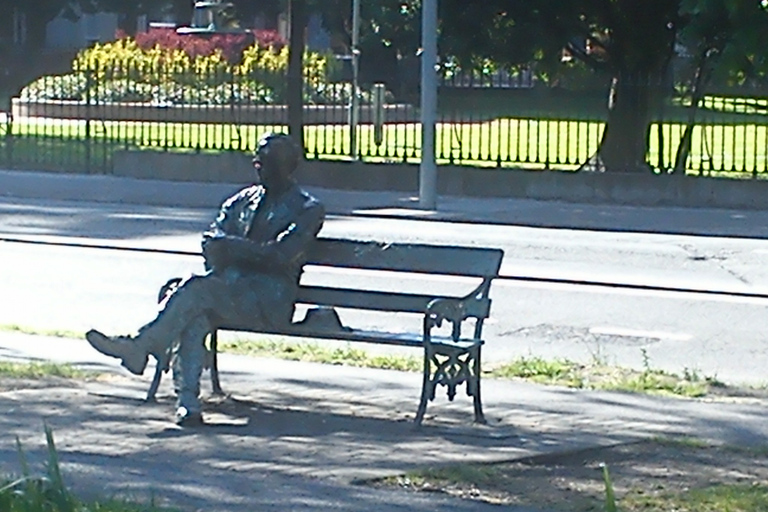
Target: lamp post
[[354, 103], [428, 166]]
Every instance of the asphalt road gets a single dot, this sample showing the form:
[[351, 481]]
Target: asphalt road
[[713, 330]]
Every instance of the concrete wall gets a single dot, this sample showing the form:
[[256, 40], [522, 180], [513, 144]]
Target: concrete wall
[[265, 114], [646, 190]]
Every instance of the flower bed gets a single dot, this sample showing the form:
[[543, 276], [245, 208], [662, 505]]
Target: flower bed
[[163, 68]]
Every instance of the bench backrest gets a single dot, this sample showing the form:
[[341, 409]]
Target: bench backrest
[[481, 263]]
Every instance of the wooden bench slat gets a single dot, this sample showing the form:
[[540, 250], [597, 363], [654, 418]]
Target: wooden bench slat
[[406, 257], [408, 339], [378, 300]]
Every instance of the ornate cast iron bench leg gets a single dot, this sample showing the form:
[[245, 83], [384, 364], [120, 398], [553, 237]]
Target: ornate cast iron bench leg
[[152, 391], [427, 388], [475, 391], [458, 366], [163, 366]]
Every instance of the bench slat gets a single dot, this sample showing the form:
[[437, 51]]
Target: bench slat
[[406, 257], [359, 335], [378, 300]]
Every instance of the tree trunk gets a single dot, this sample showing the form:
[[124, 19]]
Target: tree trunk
[[625, 138], [36, 28], [182, 11], [697, 94], [295, 93], [128, 21]]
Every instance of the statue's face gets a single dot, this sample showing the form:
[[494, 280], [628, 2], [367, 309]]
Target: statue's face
[[267, 163]]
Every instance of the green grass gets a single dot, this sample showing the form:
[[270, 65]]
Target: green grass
[[38, 370], [316, 353], [716, 498], [554, 372], [520, 142], [561, 372], [567, 373], [53, 333]]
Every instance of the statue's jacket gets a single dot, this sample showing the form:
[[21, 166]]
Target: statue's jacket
[[258, 244]]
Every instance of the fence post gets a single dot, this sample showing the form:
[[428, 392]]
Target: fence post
[[88, 99], [9, 137]]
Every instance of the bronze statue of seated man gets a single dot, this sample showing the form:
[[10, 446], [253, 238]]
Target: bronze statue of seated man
[[254, 254]]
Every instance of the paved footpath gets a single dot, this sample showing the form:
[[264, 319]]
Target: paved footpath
[[301, 436], [521, 212]]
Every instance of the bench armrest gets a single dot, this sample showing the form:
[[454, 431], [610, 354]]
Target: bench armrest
[[456, 310], [448, 310]]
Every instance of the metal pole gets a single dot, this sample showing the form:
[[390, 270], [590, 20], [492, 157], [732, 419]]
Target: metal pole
[[354, 105], [428, 167]]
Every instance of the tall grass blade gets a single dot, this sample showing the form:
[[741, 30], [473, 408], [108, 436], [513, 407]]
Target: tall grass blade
[[22, 458], [610, 497], [60, 494]]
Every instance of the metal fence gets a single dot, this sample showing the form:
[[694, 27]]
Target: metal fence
[[77, 121]]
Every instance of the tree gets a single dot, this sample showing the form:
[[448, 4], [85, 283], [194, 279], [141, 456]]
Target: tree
[[128, 12], [298, 14], [629, 42], [634, 42], [21, 64], [725, 39], [37, 14]]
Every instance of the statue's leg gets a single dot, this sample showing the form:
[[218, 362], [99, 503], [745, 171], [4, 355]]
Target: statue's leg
[[187, 368], [195, 298]]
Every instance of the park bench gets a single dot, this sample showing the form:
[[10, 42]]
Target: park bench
[[451, 325]]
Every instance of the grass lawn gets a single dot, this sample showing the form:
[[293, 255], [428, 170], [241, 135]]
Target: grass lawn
[[528, 143]]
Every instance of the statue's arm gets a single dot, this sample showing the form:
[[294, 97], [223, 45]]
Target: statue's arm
[[214, 251], [292, 243], [286, 247]]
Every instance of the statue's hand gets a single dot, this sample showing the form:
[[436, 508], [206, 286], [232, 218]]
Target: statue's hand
[[224, 251], [214, 252]]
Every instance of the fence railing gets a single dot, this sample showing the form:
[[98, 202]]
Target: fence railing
[[77, 121]]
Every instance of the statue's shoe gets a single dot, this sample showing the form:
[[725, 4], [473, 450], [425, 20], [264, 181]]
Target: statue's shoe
[[186, 418], [123, 347]]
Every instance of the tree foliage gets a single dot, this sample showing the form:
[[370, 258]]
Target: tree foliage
[[629, 44]]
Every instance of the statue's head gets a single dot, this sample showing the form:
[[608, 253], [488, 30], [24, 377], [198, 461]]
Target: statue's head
[[276, 158]]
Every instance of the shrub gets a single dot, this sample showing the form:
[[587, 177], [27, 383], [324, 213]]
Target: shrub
[[163, 67], [66, 87], [231, 45]]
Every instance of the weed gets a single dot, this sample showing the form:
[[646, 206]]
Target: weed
[[610, 496], [715, 498], [557, 371], [37, 370], [314, 352], [53, 333]]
